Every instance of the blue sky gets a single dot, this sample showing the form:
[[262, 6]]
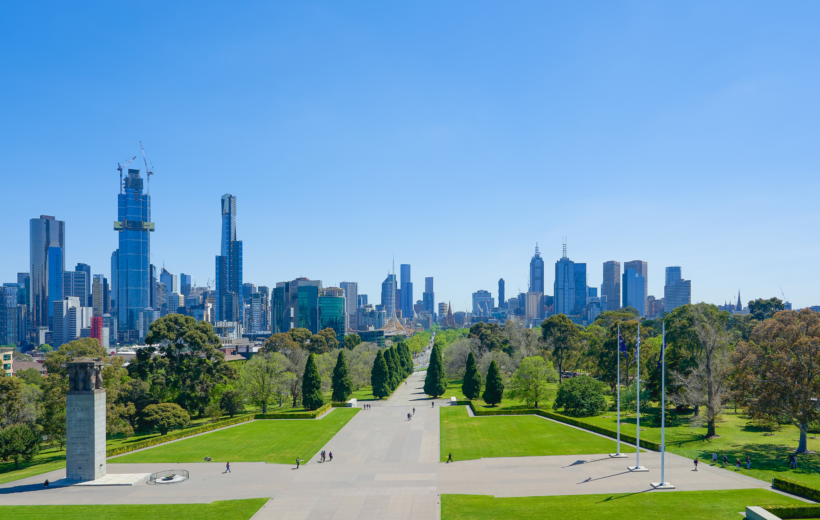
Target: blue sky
[[454, 135]]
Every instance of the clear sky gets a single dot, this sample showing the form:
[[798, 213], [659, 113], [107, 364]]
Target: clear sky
[[453, 135]]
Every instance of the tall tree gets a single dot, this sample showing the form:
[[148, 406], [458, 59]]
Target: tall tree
[[264, 377], [311, 385], [351, 341], [11, 400], [379, 377], [330, 338], [471, 385], [435, 382], [392, 368], [561, 335], [531, 381], [19, 442], [280, 342], [342, 385], [764, 309], [777, 374], [494, 389]]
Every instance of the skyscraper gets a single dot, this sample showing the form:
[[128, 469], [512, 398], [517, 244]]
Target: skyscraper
[[611, 287], [389, 295], [537, 272], [641, 268], [75, 283], [332, 313], [264, 293], [87, 270], [351, 303], [428, 298], [229, 297], [501, 300], [170, 281], [185, 282], [677, 291], [483, 302], [634, 290], [570, 286], [44, 232], [134, 254], [406, 292]]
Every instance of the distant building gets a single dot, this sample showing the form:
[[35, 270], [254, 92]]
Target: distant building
[[75, 283], [483, 302], [442, 310], [537, 272], [332, 313], [654, 307], [69, 319], [229, 294], [389, 294], [351, 290], [99, 295], [362, 300], [677, 291], [146, 318], [532, 308], [295, 304], [634, 290], [570, 287], [406, 291], [611, 288], [44, 233], [642, 269], [85, 268], [501, 300], [185, 284], [428, 298]]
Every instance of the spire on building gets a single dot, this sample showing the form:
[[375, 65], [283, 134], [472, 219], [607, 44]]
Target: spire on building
[[536, 250], [739, 303]]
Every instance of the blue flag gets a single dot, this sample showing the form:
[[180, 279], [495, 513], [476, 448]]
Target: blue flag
[[663, 353], [621, 343]]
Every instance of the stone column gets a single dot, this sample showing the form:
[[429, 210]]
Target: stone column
[[85, 420]]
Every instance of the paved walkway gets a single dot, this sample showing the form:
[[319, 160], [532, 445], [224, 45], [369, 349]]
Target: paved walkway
[[384, 467]]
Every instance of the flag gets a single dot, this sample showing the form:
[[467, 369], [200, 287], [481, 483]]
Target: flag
[[663, 353], [621, 343]]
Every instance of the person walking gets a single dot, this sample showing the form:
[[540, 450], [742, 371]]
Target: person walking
[[748, 462], [414, 411], [227, 468], [725, 460], [297, 462], [737, 463], [433, 404], [450, 458], [331, 456], [696, 463], [714, 459]]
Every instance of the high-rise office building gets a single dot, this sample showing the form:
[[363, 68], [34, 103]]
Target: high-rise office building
[[56, 278], [44, 233], [9, 296], [570, 286], [87, 270], [264, 294], [69, 319], [296, 304], [153, 302], [532, 307], [483, 302], [389, 295], [537, 272], [351, 303], [634, 290], [611, 287], [75, 283], [114, 263], [332, 314], [501, 300], [442, 310], [428, 298], [134, 227], [170, 280], [641, 268], [229, 294], [99, 298], [406, 292], [362, 300], [677, 291], [185, 283]]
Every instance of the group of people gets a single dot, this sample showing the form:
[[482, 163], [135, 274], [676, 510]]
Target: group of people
[[410, 415], [327, 456], [726, 461], [365, 406]]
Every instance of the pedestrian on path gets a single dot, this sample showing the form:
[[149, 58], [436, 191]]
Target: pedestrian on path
[[748, 462], [408, 416], [297, 462], [737, 463], [696, 463], [714, 459], [414, 411], [227, 468], [450, 459], [433, 404], [725, 460], [331, 456]]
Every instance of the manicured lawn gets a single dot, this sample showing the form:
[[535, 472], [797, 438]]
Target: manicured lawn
[[512, 436], [454, 390], [364, 394], [226, 510], [664, 505], [277, 441]]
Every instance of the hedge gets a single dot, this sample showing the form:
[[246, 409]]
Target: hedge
[[295, 415], [798, 511], [571, 421], [113, 452], [796, 488], [462, 403], [338, 405]]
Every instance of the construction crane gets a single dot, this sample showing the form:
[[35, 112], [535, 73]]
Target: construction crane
[[149, 170], [784, 294], [120, 167]]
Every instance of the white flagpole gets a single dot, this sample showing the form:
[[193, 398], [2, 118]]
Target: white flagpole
[[618, 455], [663, 484], [637, 466]]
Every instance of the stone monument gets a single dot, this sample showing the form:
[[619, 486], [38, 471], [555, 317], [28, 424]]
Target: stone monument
[[85, 420]]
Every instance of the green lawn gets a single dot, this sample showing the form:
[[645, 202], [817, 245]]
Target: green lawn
[[277, 441], [512, 436], [227, 510], [454, 390], [663, 505]]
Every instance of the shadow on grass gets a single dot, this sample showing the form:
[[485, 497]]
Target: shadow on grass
[[8, 467], [609, 499], [770, 457]]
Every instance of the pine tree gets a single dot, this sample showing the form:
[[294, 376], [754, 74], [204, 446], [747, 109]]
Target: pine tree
[[409, 359], [435, 383], [379, 377], [391, 367], [471, 386], [399, 355], [342, 385], [494, 389], [312, 386]]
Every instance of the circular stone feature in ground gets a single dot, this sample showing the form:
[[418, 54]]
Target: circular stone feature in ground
[[170, 476]]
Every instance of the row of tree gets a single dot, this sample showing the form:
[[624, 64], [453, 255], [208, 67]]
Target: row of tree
[[390, 368]]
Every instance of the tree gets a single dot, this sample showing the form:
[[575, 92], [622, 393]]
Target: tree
[[57, 360], [494, 389], [280, 342], [45, 348], [300, 336], [52, 405], [351, 341], [777, 374], [232, 402], [581, 396], [297, 359], [19, 442], [435, 383], [408, 357], [391, 368], [761, 309], [455, 357], [471, 385], [11, 400], [214, 411], [263, 377], [561, 334], [165, 417], [317, 344], [118, 408], [531, 381], [379, 377], [330, 338], [311, 386], [342, 385], [629, 397], [491, 337]]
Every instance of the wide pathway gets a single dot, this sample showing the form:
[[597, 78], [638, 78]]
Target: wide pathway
[[384, 467]]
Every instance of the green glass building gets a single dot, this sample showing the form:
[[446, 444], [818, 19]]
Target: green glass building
[[332, 314]]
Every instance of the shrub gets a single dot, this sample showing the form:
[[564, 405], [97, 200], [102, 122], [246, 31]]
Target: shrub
[[795, 511], [232, 402], [581, 396], [796, 488], [165, 417]]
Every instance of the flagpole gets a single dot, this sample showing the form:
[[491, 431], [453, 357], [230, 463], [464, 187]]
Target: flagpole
[[663, 484], [618, 455], [637, 466]]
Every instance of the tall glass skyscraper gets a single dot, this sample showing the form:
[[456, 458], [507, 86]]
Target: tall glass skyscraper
[[428, 298], [134, 254], [56, 280], [229, 300], [332, 314], [406, 304], [570, 287], [44, 232], [537, 272], [389, 295]]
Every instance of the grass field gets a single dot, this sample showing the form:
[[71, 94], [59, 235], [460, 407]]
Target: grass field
[[227, 510], [277, 441], [714, 505], [454, 390], [514, 436]]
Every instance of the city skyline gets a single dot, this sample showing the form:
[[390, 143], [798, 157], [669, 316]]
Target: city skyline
[[691, 142]]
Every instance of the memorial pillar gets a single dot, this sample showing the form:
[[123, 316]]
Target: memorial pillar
[[85, 420]]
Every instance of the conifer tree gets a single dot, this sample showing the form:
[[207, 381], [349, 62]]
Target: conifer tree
[[471, 386], [399, 355], [341, 383], [494, 389], [409, 359], [312, 386], [435, 384], [391, 366], [379, 377]]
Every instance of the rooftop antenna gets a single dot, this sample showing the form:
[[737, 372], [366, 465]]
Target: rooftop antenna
[[565, 246]]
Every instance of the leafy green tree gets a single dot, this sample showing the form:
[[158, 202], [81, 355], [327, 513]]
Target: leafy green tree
[[11, 400], [45, 348], [165, 417], [408, 357], [531, 381], [391, 368], [19, 442], [52, 409], [351, 341], [312, 386], [471, 385], [581, 396], [380, 376], [57, 360], [491, 336], [30, 376], [331, 340], [494, 389], [761, 309], [280, 342], [317, 344], [264, 377], [300, 336], [119, 410], [214, 411], [435, 382], [232, 402], [341, 383], [562, 336], [629, 397]]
